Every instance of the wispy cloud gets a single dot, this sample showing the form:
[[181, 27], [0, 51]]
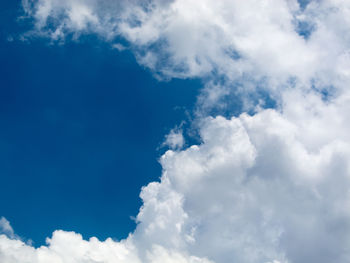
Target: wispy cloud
[[6, 228]]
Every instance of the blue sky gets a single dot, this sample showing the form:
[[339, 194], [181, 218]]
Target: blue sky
[[81, 130]]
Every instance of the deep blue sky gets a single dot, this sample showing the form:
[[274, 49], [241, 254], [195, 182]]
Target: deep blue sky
[[80, 125]]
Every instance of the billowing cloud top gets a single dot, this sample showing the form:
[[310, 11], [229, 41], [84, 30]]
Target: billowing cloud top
[[268, 187]]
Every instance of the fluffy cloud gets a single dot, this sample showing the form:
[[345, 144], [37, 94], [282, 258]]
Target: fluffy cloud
[[271, 186], [183, 38], [237, 47], [259, 188]]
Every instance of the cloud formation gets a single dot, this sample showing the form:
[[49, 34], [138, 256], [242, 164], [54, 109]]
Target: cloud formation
[[259, 188], [190, 38], [267, 187], [237, 47]]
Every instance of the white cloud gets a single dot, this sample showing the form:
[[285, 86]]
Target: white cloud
[[119, 47], [259, 188], [66, 247], [174, 140], [195, 38], [239, 46], [6, 228], [268, 187]]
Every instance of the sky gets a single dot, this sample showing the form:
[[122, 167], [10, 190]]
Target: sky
[[176, 131], [82, 130]]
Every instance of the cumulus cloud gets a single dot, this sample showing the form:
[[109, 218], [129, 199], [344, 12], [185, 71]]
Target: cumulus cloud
[[271, 186], [194, 38], [238, 47], [259, 188]]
